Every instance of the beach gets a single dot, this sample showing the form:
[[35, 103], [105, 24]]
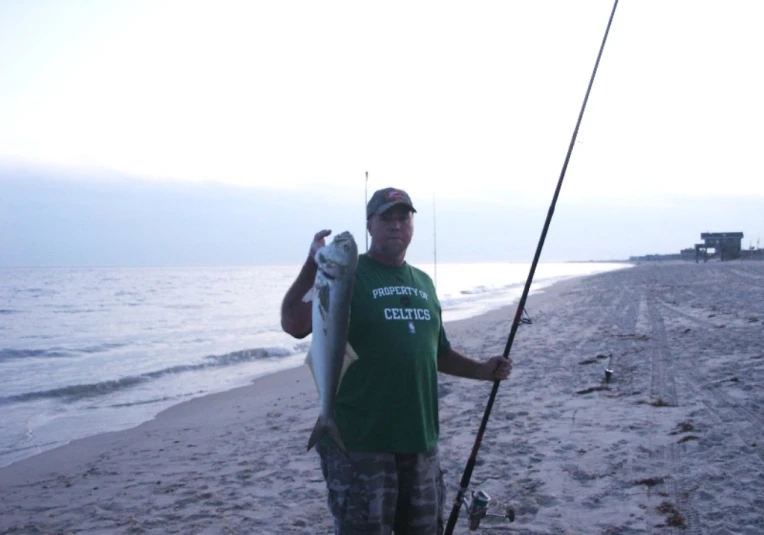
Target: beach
[[85, 351], [672, 443]]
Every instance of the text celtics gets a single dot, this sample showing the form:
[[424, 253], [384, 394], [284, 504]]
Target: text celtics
[[403, 314]]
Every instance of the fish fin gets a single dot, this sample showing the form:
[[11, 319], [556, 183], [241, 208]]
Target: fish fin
[[349, 358], [326, 426], [308, 297], [309, 362], [350, 355]]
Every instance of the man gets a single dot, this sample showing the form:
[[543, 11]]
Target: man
[[387, 402]]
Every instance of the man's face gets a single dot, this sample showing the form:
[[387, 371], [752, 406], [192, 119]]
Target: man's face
[[391, 231]]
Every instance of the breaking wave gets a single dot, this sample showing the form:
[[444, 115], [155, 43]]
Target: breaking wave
[[482, 290], [83, 391], [477, 293], [54, 352]]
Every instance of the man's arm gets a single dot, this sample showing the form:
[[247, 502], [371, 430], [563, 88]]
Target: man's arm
[[297, 315], [454, 363]]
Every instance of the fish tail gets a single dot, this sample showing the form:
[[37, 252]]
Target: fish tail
[[326, 426]]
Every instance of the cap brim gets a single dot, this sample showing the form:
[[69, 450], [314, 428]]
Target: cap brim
[[385, 207]]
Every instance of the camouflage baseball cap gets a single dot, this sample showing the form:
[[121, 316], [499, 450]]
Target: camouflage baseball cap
[[384, 199]]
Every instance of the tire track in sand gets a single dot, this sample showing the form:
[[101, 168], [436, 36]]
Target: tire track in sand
[[662, 384], [663, 389], [745, 422]]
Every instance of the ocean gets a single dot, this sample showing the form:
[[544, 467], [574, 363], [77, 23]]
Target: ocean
[[90, 350]]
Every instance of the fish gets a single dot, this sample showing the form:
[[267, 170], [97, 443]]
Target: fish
[[350, 357], [332, 291]]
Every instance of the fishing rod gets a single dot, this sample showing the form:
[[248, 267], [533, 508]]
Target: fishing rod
[[434, 242], [477, 506], [365, 204]]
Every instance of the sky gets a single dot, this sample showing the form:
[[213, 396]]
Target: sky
[[204, 133]]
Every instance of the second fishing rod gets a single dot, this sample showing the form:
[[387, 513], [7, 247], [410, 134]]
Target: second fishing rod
[[478, 504]]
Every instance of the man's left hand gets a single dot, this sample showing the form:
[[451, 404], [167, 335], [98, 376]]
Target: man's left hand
[[495, 369]]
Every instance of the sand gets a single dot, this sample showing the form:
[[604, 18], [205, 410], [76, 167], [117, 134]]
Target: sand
[[672, 444]]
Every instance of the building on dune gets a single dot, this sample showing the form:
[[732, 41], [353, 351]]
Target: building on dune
[[727, 244], [721, 246]]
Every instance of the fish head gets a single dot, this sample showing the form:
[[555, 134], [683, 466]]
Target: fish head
[[338, 257]]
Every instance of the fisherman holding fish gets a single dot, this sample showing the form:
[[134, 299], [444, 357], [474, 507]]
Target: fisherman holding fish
[[377, 347]]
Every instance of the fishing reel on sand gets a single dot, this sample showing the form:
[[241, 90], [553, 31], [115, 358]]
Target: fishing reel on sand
[[477, 505]]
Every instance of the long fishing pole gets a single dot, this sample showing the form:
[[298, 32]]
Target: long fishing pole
[[365, 203], [521, 305], [434, 242]]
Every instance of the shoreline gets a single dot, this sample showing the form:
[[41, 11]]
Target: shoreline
[[114, 379], [671, 441], [258, 377]]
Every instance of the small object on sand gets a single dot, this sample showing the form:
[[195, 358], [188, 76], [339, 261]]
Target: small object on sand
[[608, 369]]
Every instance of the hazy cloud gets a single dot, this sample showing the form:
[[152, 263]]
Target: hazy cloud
[[109, 220]]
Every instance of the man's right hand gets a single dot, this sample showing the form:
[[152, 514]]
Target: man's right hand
[[319, 240]]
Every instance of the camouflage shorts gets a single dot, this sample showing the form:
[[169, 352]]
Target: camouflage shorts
[[384, 493]]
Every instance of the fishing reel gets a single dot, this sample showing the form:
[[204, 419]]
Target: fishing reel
[[477, 509]]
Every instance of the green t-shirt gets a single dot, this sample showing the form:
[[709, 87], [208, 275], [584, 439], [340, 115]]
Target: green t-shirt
[[388, 398]]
